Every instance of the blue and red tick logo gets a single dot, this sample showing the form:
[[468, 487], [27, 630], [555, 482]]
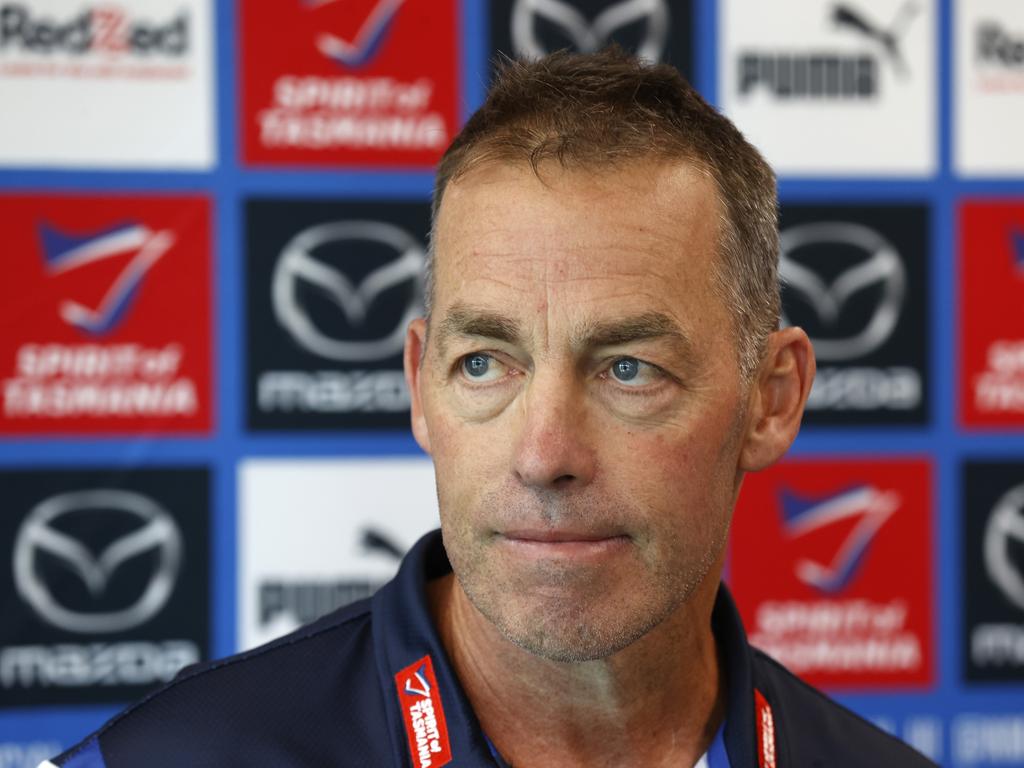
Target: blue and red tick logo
[[816, 571], [417, 684], [363, 46], [833, 533], [135, 245], [1017, 248]]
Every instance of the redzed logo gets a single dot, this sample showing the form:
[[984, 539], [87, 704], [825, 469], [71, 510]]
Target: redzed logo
[[349, 81], [423, 715], [105, 315], [991, 324], [814, 547], [108, 29]]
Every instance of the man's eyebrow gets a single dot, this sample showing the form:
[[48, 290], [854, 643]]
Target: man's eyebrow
[[463, 320], [467, 321], [642, 327]]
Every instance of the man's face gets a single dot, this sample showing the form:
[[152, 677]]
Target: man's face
[[581, 399]]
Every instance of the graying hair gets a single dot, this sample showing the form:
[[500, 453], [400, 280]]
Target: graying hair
[[596, 111]]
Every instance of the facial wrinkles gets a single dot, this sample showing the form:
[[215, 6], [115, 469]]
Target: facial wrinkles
[[496, 234], [575, 631], [666, 486], [600, 507]]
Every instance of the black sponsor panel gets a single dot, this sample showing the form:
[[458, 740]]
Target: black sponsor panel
[[658, 30], [332, 286], [855, 278], [107, 591], [993, 583]]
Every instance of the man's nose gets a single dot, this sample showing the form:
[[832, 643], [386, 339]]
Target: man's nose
[[553, 448]]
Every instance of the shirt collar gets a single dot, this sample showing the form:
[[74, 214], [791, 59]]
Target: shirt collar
[[403, 633]]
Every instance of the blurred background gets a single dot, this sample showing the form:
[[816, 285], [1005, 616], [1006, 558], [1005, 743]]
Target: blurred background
[[203, 422]]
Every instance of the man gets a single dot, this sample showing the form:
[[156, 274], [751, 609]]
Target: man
[[600, 366]]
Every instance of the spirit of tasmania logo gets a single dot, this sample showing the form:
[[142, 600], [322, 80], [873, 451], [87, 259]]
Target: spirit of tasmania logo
[[105, 315], [991, 324], [815, 547], [423, 714], [349, 82]]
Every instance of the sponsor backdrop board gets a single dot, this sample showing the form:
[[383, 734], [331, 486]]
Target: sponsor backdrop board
[[368, 82], [216, 215], [829, 608], [855, 278], [658, 30], [993, 550], [95, 339], [358, 519], [332, 285], [860, 77], [989, 88], [108, 590], [991, 327], [107, 85]]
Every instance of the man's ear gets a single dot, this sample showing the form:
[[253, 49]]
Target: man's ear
[[778, 398], [415, 348]]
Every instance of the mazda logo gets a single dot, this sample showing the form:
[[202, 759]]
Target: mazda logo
[[586, 35], [882, 266], [298, 263], [38, 535], [1005, 528]]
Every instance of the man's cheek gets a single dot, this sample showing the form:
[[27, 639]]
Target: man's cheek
[[652, 463]]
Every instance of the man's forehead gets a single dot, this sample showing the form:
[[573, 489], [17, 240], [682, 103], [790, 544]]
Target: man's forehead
[[642, 218], [551, 249], [653, 177]]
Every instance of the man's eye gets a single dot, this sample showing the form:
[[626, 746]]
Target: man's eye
[[632, 372], [482, 367]]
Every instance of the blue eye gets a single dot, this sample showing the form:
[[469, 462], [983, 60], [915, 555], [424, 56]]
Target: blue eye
[[626, 368], [632, 373], [476, 366], [482, 368]]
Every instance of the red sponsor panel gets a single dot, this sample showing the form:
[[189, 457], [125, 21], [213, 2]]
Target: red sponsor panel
[[423, 715], [349, 82], [831, 567], [105, 315], [991, 321]]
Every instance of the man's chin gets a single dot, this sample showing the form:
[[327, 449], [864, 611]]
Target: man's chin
[[575, 642], [570, 647], [564, 628]]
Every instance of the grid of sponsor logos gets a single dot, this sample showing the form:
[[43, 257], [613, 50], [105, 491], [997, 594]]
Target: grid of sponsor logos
[[214, 217]]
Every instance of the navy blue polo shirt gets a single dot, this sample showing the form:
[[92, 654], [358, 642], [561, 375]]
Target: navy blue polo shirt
[[371, 685]]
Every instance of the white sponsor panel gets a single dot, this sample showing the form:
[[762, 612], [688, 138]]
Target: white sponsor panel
[[315, 534], [93, 83], [856, 75], [989, 87]]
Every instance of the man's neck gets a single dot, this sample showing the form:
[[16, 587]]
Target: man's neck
[[657, 702]]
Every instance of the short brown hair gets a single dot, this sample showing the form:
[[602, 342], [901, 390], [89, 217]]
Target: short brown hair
[[599, 109]]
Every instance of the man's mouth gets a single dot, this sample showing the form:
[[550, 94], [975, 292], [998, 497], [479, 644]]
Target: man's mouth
[[562, 543]]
